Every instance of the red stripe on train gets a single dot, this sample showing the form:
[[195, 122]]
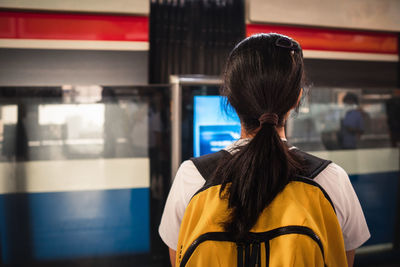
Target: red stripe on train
[[61, 26], [334, 40]]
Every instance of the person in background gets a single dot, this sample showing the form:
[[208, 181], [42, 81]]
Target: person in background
[[263, 82], [353, 123]]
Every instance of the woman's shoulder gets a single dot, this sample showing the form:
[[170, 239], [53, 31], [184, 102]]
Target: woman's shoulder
[[334, 180], [333, 170], [337, 184], [189, 180], [188, 172]]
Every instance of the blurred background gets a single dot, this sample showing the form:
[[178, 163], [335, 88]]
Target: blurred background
[[100, 101]]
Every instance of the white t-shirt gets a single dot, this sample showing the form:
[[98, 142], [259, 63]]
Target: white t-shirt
[[333, 179]]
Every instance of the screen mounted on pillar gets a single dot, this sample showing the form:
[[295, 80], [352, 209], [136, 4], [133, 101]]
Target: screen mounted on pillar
[[209, 124]]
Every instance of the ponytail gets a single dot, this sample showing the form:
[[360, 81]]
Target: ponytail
[[262, 81], [253, 177]]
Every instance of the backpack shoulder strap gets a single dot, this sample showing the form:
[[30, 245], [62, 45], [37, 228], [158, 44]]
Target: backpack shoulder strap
[[312, 164], [207, 164]]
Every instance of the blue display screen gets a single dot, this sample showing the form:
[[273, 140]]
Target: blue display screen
[[215, 126]]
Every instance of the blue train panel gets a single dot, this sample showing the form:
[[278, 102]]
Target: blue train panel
[[78, 224], [378, 194]]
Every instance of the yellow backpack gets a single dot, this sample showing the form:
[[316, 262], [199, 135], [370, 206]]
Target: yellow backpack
[[299, 228]]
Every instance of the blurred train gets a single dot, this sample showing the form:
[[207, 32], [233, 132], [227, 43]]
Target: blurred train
[[82, 174], [85, 171]]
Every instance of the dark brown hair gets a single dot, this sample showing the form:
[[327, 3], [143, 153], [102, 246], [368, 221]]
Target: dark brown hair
[[264, 74]]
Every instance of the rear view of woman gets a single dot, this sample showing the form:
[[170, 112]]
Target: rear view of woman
[[261, 202]]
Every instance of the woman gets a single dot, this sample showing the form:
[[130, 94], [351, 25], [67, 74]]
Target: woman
[[263, 82]]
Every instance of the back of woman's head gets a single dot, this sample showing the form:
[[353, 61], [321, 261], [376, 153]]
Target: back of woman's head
[[263, 81], [263, 75]]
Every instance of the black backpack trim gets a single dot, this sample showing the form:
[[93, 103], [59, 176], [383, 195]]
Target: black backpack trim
[[253, 238], [207, 165], [313, 164]]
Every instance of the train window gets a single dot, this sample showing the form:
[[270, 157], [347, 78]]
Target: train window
[[84, 173], [338, 118]]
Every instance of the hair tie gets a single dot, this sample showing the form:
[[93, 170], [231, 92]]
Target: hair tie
[[270, 118]]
